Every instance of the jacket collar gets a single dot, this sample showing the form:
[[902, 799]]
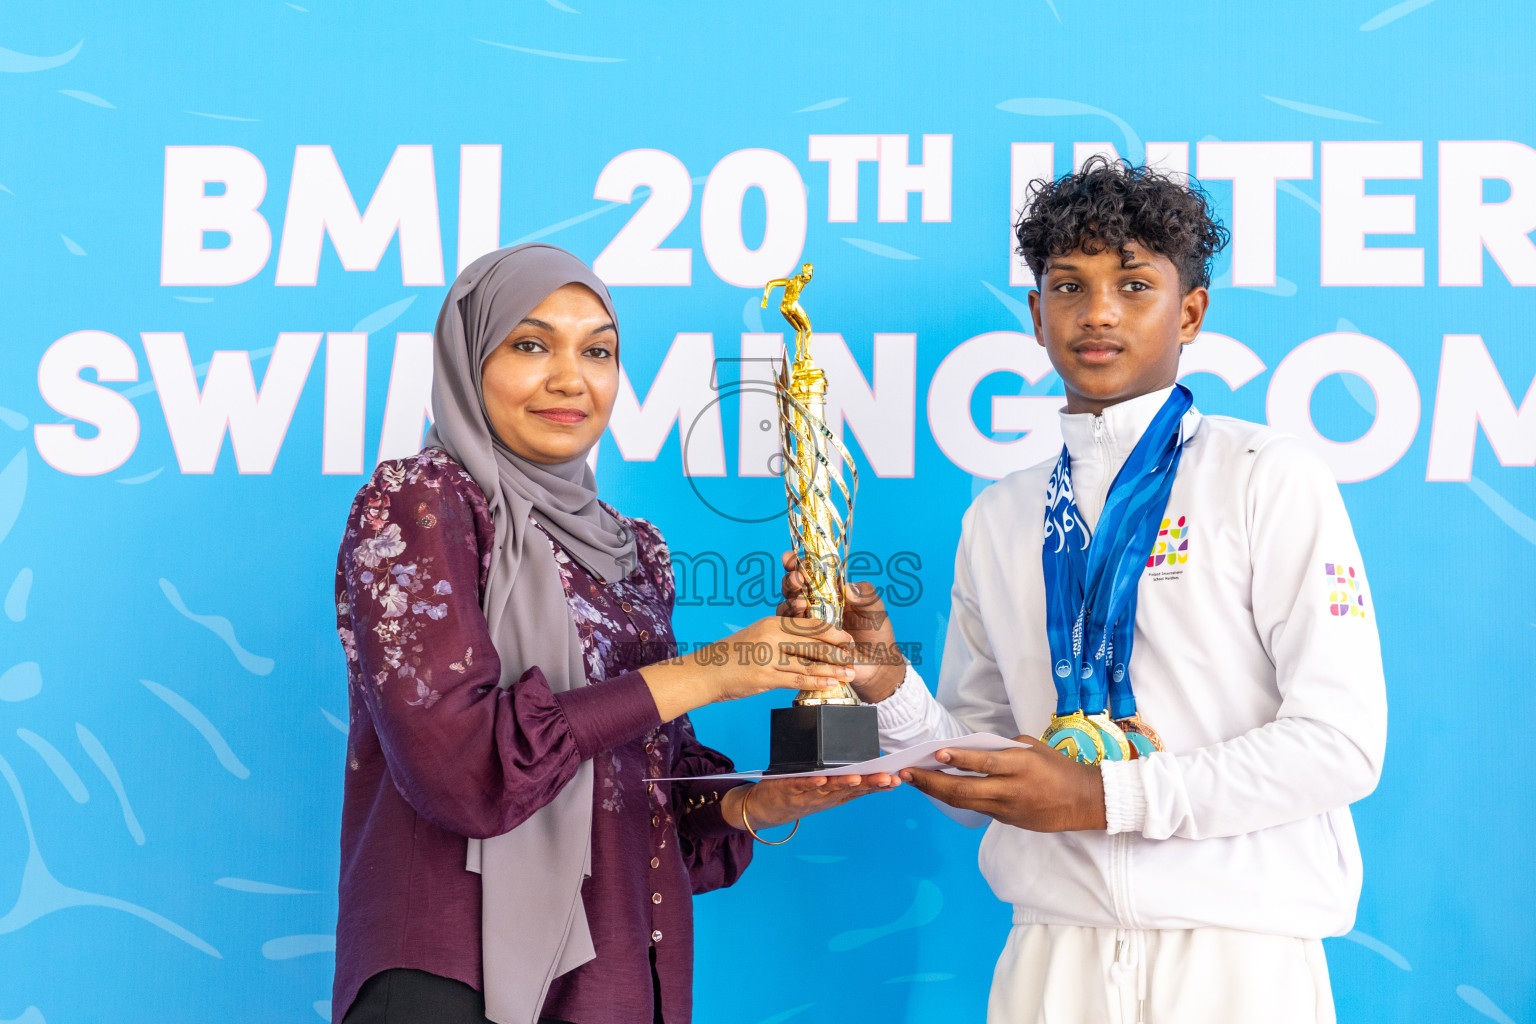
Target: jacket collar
[[1112, 435]]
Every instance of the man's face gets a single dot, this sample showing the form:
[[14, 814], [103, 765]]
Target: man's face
[[1113, 329]]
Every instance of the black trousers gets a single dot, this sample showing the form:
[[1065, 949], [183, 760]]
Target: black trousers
[[401, 995]]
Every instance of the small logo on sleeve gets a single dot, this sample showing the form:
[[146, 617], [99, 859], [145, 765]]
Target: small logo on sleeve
[[1344, 597]]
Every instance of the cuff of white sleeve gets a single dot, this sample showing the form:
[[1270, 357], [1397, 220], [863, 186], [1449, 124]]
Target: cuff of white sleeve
[[906, 704], [1125, 796]]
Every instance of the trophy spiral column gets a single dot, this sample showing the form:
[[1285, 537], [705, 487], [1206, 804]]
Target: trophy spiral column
[[826, 727], [817, 533]]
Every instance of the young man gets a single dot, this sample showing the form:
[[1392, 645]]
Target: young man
[[1211, 658]]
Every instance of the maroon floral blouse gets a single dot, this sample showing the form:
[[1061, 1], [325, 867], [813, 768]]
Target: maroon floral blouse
[[437, 752]]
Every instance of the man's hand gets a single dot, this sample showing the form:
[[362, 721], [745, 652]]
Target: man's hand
[[1038, 789], [878, 663]]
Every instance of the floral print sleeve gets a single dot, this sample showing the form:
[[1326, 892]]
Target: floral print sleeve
[[469, 756]]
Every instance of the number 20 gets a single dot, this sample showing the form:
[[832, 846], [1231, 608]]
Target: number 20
[[635, 256]]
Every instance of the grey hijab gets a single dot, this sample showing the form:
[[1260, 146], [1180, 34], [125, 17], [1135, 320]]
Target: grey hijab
[[533, 924]]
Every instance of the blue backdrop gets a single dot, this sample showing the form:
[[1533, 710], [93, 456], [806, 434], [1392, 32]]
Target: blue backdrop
[[174, 691]]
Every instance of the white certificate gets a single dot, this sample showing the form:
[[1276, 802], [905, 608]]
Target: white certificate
[[919, 756]]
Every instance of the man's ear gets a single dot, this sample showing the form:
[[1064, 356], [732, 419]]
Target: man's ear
[[1034, 314], [1192, 314]]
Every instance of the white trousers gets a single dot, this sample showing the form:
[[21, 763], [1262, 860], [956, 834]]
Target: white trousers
[[1065, 974]]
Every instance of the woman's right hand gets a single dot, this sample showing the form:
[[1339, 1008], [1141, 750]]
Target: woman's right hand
[[776, 653]]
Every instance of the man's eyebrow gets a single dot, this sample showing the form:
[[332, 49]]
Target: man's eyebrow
[[1135, 265]]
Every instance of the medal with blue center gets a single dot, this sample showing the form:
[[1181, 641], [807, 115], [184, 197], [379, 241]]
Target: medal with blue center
[[1143, 738], [1117, 746], [1076, 737], [1091, 593]]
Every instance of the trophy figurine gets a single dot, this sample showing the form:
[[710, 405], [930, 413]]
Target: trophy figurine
[[824, 728]]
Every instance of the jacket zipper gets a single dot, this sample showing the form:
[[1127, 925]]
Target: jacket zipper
[[1119, 844], [1120, 879], [1101, 448]]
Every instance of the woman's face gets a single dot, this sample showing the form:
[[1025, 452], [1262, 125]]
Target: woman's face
[[549, 386]]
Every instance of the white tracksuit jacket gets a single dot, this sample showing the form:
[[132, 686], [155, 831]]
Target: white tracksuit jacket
[[1256, 660]]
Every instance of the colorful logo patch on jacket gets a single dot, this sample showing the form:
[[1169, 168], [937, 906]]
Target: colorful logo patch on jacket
[[1172, 546], [1344, 597]]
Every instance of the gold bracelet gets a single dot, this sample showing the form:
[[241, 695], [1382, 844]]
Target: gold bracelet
[[748, 823]]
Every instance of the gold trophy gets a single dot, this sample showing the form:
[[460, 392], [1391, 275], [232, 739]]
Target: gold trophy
[[824, 728]]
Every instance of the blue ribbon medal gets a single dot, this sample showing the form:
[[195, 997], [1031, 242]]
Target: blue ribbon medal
[[1090, 593]]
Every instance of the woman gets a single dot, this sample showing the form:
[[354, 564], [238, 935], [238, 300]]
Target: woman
[[509, 643]]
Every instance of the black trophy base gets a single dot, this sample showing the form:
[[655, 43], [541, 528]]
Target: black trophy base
[[809, 739]]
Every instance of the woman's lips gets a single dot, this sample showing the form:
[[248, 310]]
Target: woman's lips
[[565, 416]]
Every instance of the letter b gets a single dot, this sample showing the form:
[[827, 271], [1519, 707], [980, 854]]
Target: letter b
[[189, 212]]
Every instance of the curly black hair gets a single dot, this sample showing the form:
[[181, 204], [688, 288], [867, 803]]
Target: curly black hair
[[1111, 204]]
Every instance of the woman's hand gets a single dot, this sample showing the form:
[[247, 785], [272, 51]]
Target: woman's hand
[[781, 653], [780, 801], [879, 666]]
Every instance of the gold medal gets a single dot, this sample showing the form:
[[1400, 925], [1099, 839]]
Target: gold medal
[[1076, 737]]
